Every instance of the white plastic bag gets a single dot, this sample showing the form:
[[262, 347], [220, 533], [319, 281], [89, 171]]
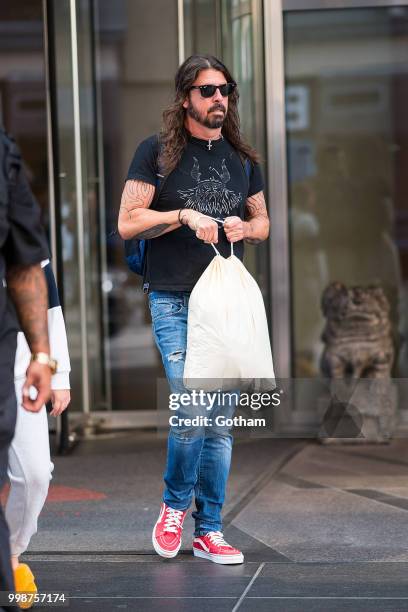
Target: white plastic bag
[[227, 331]]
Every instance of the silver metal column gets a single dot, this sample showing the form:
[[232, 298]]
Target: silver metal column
[[277, 180], [180, 23], [80, 208], [102, 214], [50, 155]]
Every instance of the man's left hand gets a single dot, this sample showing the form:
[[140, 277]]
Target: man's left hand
[[234, 228], [60, 399]]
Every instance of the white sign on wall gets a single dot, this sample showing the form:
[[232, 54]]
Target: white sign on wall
[[297, 107]]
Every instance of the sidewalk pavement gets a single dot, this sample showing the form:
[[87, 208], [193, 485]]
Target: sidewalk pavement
[[321, 527]]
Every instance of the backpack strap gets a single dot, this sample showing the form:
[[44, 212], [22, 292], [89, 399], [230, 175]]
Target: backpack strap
[[248, 168], [160, 178], [246, 165], [11, 164], [3, 169]]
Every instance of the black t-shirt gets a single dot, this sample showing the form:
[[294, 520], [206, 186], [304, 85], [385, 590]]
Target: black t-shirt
[[213, 182], [22, 237]]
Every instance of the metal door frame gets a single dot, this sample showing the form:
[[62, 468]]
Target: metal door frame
[[277, 163]]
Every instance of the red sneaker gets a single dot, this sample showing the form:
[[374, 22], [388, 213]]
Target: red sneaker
[[166, 535], [212, 546]]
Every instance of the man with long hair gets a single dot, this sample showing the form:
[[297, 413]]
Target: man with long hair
[[208, 174]]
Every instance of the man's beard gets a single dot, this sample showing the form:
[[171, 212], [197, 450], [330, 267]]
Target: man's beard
[[207, 120]]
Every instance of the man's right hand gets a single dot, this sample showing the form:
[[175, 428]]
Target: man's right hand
[[38, 376], [204, 227]]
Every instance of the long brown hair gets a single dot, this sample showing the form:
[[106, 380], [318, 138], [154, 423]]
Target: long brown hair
[[173, 134]]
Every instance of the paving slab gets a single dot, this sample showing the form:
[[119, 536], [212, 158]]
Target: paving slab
[[357, 587], [197, 584], [322, 604], [325, 524], [396, 451]]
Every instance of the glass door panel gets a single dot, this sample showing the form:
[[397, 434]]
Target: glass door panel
[[79, 227], [23, 107], [242, 52], [347, 141], [93, 223], [137, 57]]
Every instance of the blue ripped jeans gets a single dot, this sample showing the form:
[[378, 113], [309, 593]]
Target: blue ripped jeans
[[198, 457]]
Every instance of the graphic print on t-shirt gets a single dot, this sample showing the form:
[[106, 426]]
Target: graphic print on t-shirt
[[211, 196]]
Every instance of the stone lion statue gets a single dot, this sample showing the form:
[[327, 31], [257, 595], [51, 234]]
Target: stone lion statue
[[358, 358], [357, 334]]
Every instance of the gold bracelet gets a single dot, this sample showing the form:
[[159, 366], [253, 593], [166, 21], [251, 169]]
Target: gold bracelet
[[45, 359]]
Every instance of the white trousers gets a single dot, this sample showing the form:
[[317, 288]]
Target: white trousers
[[30, 471]]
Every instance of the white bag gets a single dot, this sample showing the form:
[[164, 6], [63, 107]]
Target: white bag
[[227, 331]]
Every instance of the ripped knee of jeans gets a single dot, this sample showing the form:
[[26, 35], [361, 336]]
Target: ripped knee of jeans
[[176, 356], [174, 366]]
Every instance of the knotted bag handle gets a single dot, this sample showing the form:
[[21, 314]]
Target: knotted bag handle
[[214, 247]]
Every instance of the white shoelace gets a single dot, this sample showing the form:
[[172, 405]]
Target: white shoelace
[[217, 538], [172, 521]]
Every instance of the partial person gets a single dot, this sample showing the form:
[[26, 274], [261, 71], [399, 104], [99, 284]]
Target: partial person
[[23, 305], [30, 466], [202, 156]]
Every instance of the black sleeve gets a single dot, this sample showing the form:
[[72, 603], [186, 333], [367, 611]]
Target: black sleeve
[[143, 166], [53, 296], [26, 242], [256, 182]]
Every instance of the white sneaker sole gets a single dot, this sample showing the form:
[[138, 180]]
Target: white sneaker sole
[[222, 559], [160, 551]]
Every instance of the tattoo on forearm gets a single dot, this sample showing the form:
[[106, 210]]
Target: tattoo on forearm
[[256, 207], [28, 290], [153, 232], [123, 209], [249, 238], [136, 194], [256, 210]]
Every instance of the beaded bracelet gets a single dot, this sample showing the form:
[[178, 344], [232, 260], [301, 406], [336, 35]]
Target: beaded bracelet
[[179, 220]]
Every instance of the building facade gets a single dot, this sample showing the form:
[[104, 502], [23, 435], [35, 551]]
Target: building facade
[[323, 97]]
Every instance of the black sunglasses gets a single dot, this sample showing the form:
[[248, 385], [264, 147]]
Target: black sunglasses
[[207, 91]]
